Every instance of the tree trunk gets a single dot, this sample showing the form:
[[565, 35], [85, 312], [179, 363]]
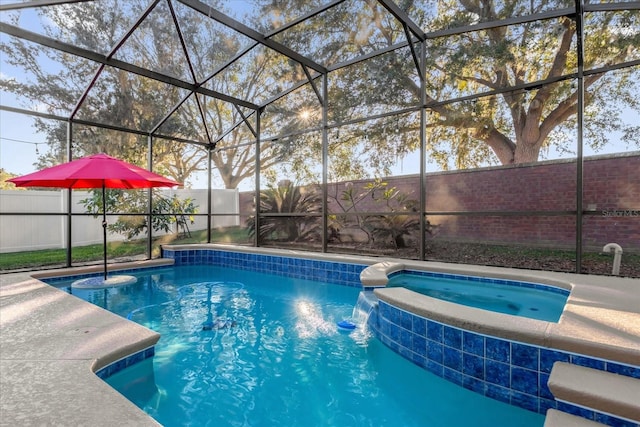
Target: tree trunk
[[527, 152]]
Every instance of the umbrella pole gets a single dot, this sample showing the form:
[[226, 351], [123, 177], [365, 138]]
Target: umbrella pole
[[104, 229]]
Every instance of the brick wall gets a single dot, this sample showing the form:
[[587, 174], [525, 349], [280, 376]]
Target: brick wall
[[498, 197]]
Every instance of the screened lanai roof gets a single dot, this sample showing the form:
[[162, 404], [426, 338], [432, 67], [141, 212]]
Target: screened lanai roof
[[203, 57], [194, 47]]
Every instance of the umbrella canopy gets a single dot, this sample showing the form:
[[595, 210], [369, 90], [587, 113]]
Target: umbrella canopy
[[97, 171]]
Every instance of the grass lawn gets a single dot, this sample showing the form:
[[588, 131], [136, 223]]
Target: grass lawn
[[87, 254]]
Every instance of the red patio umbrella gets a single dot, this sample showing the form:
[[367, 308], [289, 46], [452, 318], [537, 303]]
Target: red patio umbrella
[[97, 171]]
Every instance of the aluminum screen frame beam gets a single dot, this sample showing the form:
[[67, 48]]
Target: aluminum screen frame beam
[[122, 65]]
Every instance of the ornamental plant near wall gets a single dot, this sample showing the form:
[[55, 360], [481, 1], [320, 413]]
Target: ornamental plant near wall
[[396, 215], [164, 212], [286, 197]]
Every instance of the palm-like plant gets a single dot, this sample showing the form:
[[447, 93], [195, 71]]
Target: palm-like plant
[[285, 198], [389, 229], [403, 219]]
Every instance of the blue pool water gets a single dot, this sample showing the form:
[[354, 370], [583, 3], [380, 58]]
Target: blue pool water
[[515, 298], [252, 349]]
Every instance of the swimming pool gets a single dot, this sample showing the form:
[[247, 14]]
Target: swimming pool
[[525, 299], [274, 356]]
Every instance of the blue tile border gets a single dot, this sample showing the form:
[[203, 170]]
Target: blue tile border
[[338, 273], [125, 362], [512, 372]]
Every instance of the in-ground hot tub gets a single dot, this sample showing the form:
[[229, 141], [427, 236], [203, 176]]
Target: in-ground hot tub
[[518, 298]]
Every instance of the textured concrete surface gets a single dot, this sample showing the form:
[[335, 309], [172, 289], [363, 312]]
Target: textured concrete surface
[[591, 388], [50, 345], [561, 419]]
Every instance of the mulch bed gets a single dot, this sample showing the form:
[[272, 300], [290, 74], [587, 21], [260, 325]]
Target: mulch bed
[[513, 257], [491, 255]]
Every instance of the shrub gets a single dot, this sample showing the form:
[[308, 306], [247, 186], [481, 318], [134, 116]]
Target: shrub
[[165, 211], [285, 198]]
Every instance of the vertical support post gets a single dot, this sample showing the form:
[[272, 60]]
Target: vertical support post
[[150, 200], [69, 201], [580, 123], [423, 153], [325, 162], [256, 237]]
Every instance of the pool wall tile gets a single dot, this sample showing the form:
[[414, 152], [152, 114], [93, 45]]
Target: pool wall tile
[[497, 349], [434, 331], [435, 351], [453, 337], [452, 358], [498, 393], [544, 387], [123, 363], [510, 372], [613, 421], [453, 375], [525, 356], [300, 268], [473, 384], [419, 345], [420, 326], [524, 380], [524, 400], [435, 368], [587, 362], [473, 366], [497, 373], [546, 404], [549, 357], [473, 343]]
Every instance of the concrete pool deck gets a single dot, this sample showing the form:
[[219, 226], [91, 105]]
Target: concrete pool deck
[[51, 343]]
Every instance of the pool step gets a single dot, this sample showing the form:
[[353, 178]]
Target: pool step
[[557, 418], [601, 391]]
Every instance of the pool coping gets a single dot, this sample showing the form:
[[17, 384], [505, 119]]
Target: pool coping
[[51, 343], [46, 373]]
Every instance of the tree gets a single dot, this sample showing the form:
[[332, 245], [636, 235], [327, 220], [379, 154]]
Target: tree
[[117, 97], [127, 100], [4, 185], [511, 127], [517, 125]]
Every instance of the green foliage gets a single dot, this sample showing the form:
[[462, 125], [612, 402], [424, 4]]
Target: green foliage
[[393, 216], [4, 185], [403, 219], [285, 198], [165, 211]]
